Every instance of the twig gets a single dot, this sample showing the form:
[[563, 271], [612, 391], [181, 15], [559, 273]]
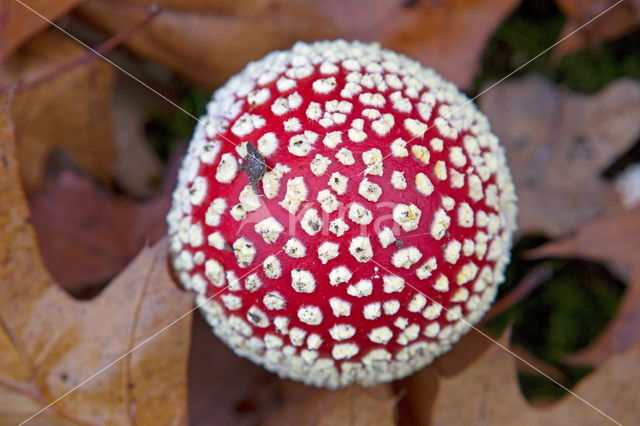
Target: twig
[[86, 57]]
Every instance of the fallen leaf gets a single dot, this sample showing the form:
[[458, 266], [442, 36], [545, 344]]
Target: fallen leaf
[[619, 21], [209, 43], [252, 7], [534, 366], [51, 343], [77, 221], [557, 145], [206, 47], [418, 391], [448, 36], [487, 392], [614, 239], [212, 368], [137, 168], [522, 289], [59, 108], [18, 23], [350, 406], [258, 396]]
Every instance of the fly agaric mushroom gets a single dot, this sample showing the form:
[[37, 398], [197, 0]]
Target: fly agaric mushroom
[[343, 213]]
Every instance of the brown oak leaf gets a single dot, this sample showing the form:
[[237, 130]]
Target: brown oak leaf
[[448, 36], [208, 47], [76, 219], [354, 405], [614, 239], [51, 343], [209, 43], [56, 107], [137, 168], [18, 23], [487, 392], [418, 392], [557, 145]]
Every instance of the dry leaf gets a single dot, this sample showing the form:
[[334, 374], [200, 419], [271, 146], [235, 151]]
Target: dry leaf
[[487, 392], [209, 48], [614, 239], [209, 43], [419, 390], [51, 343], [557, 145], [18, 23], [627, 185], [448, 36], [137, 169], [621, 20], [251, 7], [256, 392], [76, 219], [59, 108], [350, 406], [224, 388]]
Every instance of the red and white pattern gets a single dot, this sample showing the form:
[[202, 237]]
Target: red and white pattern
[[379, 232]]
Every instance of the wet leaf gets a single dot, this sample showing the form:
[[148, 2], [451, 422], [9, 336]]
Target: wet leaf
[[614, 239], [51, 343], [60, 108], [557, 145]]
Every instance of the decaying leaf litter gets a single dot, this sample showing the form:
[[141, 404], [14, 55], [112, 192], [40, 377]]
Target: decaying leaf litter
[[583, 136]]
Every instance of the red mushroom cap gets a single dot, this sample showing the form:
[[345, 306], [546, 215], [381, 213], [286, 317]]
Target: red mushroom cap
[[343, 213]]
